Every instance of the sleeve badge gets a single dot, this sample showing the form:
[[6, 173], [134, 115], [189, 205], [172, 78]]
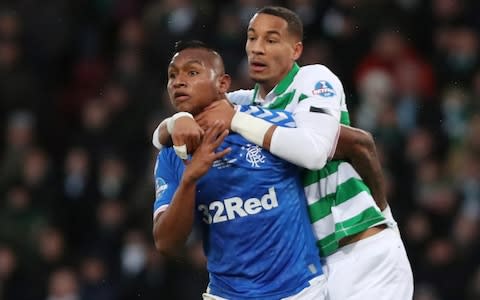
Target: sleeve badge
[[160, 187], [324, 88]]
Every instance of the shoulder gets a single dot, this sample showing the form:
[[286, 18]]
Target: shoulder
[[241, 96], [314, 69], [166, 160], [316, 72], [318, 80]]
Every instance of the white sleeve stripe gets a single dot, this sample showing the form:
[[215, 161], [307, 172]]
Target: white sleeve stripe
[[162, 208]]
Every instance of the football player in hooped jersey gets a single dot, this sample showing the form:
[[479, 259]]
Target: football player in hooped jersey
[[365, 257], [250, 205]]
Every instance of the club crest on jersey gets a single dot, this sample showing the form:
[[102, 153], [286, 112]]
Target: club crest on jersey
[[253, 155], [160, 187], [324, 88]]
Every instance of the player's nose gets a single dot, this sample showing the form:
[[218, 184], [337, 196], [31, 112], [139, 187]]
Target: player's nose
[[179, 81], [257, 47]]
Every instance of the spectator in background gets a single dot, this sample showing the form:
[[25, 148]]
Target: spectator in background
[[63, 284], [19, 137], [13, 279], [95, 280], [106, 240], [15, 72], [51, 253], [79, 195], [456, 54], [409, 75], [20, 220]]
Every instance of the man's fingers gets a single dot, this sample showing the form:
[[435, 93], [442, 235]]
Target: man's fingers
[[220, 138], [194, 143], [185, 136], [178, 140], [222, 153], [213, 131]]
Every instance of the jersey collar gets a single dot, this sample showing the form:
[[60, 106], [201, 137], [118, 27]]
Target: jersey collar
[[287, 80], [282, 86]]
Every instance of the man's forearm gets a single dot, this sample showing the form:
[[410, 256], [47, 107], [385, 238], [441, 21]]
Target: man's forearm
[[172, 227], [358, 147], [305, 146], [370, 170]]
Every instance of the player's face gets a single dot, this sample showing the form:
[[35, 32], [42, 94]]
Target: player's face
[[192, 81], [271, 49]]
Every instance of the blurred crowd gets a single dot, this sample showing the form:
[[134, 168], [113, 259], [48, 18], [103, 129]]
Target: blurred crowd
[[82, 86]]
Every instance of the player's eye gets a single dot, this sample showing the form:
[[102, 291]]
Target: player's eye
[[193, 73], [270, 41], [171, 75], [251, 38]]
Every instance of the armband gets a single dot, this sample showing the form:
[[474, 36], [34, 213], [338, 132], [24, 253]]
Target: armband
[[156, 135], [251, 128]]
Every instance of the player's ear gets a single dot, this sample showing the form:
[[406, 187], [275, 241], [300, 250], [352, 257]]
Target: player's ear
[[297, 50], [224, 82]]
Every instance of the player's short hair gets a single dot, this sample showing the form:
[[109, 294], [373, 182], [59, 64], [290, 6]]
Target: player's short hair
[[295, 25], [191, 44], [196, 44]]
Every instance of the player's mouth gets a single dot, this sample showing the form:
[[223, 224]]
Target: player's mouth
[[180, 97], [257, 66]]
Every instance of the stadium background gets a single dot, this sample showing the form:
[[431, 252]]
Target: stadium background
[[82, 88]]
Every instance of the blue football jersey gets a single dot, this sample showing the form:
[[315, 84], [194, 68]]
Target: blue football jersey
[[253, 214]]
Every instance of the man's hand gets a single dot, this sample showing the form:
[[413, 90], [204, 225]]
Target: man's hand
[[187, 132], [205, 154], [220, 110]]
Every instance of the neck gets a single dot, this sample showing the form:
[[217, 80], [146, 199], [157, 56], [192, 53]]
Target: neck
[[267, 86], [220, 97]]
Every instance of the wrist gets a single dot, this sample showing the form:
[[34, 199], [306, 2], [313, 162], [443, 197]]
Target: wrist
[[236, 109], [251, 128], [189, 180], [172, 119], [156, 137]]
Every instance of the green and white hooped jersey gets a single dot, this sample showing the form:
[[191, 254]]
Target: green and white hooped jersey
[[339, 202]]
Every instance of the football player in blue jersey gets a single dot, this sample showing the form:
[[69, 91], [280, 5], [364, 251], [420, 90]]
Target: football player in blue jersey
[[344, 215], [250, 204]]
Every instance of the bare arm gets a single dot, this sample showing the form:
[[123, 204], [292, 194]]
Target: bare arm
[[358, 147], [172, 227]]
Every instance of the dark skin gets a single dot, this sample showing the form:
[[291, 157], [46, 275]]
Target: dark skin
[[358, 147], [172, 227], [354, 145], [195, 81]]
